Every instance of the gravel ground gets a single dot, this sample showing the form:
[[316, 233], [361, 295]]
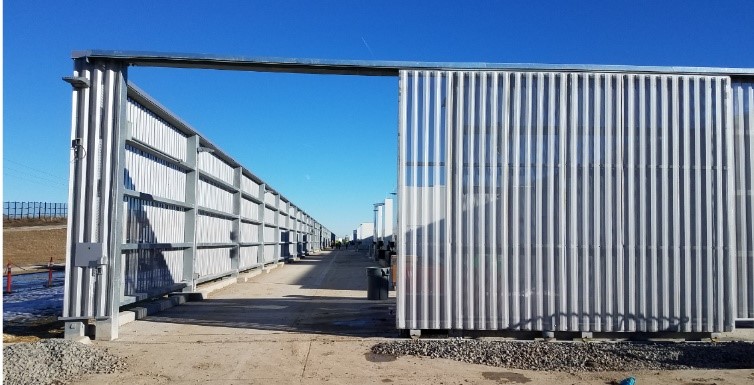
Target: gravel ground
[[54, 361], [579, 356]]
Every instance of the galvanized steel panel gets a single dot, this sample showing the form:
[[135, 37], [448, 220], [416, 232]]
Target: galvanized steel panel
[[269, 254], [270, 215], [249, 233], [149, 270], [154, 131], [249, 186], [142, 169], [270, 198], [211, 195], [249, 256], [564, 202], [152, 222], [249, 209], [215, 167], [213, 229], [743, 123], [212, 262]]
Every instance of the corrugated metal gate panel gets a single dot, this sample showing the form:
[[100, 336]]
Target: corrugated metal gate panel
[[216, 167], [249, 209], [149, 128], [249, 256], [743, 121], [149, 270], [564, 201], [212, 229], [211, 262], [142, 169], [152, 222], [214, 197]]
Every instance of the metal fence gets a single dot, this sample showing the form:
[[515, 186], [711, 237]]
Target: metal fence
[[157, 208], [20, 210], [559, 201]]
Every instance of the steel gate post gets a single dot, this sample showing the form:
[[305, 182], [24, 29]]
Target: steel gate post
[[107, 329], [235, 253], [92, 287], [189, 230]]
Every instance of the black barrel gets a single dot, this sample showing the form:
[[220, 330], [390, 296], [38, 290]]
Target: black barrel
[[378, 281]]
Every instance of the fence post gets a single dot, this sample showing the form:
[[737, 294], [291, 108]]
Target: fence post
[[189, 230], [261, 218], [235, 253]]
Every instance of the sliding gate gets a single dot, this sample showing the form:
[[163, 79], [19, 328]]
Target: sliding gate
[[558, 199], [157, 208], [574, 201]]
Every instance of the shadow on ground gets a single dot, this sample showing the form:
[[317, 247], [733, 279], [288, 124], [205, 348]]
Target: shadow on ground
[[330, 273], [341, 316]]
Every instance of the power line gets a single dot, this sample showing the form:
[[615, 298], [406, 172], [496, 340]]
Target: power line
[[38, 177], [39, 180], [30, 168]]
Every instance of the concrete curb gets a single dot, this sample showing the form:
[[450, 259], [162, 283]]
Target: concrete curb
[[151, 308]]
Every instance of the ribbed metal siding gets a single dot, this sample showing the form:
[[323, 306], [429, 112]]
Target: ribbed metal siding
[[152, 222], [148, 128], [249, 186], [214, 197], [249, 256], [743, 122], [212, 229], [249, 233], [142, 169], [249, 209], [564, 201], [149, 270], [214, 166], [212, 262]]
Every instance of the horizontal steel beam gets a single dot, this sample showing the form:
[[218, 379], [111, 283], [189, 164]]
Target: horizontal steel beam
[[367, 67]]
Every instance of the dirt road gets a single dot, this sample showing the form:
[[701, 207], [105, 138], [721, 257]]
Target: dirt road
[[309, 323]]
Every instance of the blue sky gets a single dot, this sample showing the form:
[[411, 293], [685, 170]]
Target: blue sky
[[326, 142]]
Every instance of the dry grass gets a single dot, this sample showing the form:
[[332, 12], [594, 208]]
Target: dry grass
[[30, 248]]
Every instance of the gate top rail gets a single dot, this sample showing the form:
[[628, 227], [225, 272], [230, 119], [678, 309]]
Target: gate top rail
[[367, 67]]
